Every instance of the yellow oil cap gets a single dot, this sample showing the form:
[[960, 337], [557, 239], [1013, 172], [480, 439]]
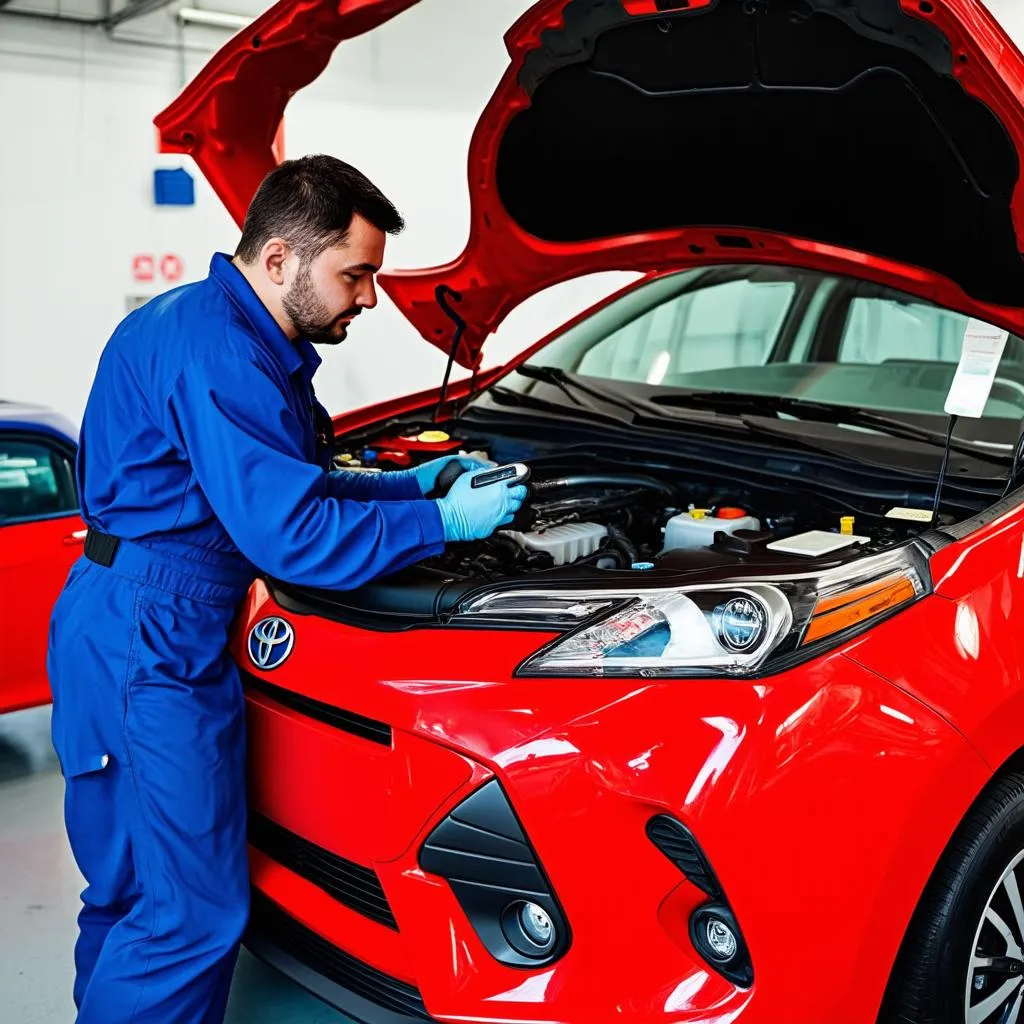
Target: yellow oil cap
[[433, 437], [698, 513], [846, 525]]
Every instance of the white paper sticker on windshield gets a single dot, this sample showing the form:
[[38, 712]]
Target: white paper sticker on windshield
[[979, 361]]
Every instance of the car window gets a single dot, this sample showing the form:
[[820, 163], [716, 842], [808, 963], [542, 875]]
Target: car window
[[735, 323], [911, 342], [881, 330], [787, 332], [36, 480]]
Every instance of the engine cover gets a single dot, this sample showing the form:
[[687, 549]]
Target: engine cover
[[564, 543]]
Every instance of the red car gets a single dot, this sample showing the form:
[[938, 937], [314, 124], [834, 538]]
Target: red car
[[41, 534], [730, 727]]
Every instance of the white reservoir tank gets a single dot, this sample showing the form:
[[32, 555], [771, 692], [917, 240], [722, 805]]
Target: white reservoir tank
[[697, 527]]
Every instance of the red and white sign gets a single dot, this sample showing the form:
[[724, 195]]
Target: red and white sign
[[171, 267], [143, 268]]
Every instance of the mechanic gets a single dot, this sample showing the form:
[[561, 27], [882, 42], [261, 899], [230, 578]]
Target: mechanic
[[204, 462]]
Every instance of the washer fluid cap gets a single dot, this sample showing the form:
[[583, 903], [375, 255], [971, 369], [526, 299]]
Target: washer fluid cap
[[698, 513], [730, 513], [433, 437]]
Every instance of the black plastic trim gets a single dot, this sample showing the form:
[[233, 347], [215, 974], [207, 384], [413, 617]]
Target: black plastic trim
[[357, 887], [325, 605], [967, 526], [483, 852], [341, 980], [347, 721], [680, 845]]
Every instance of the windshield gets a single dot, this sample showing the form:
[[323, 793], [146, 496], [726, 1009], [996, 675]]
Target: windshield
[[786, 333]]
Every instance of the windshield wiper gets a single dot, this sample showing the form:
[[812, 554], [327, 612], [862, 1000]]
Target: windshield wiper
[[568, 384], [822, 412], [646, 412], [528, 402], [732, 411]]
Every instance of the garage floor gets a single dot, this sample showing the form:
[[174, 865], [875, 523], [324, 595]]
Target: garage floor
[[39, 887]]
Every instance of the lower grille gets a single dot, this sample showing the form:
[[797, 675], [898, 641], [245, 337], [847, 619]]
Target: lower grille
[[357, 887], [315, 952]]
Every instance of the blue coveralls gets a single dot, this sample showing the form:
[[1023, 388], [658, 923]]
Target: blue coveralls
[[199, 448]]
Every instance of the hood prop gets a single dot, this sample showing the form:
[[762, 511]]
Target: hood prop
[[1016, 466], [441, 294], [942, 470]]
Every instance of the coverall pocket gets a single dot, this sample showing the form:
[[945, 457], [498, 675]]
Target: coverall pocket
[[83, 764]]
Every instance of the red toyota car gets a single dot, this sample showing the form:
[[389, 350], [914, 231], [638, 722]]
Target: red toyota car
[[41, 535], [730, 726]]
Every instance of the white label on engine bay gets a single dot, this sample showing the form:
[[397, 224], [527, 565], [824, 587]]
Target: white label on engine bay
[[815, 542], [979, 361], [914, 515]]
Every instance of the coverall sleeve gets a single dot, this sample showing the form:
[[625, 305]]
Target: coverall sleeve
[[373, 486], [245, 446]]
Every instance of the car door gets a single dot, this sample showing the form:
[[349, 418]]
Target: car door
[[41, 534]]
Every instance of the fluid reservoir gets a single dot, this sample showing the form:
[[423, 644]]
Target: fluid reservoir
[[697, 527]]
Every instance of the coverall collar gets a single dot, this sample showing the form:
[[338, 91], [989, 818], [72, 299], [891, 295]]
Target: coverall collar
[[296, 356]]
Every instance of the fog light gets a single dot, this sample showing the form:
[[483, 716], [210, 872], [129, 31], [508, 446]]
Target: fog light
[[529, 929], [721, 939], [536, 924], [717, 938]]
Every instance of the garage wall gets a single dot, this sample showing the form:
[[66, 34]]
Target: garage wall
[[1011, 14], [76, 186], [79, 152]]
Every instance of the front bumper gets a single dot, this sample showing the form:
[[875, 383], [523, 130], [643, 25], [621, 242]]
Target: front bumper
[[341, 980], [822, 800]]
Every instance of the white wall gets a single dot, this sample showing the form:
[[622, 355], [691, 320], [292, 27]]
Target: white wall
[[76, 180], [79, 151], [1011, 14]]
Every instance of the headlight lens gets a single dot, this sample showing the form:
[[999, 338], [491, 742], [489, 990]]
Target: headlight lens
[[669, 632], [739, 628]]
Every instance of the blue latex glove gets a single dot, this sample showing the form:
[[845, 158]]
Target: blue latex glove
[[426, 475], [469, 513]]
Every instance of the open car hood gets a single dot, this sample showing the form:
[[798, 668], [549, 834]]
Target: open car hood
[[882, 138]]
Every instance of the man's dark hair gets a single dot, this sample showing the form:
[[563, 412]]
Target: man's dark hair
[[310, 202]]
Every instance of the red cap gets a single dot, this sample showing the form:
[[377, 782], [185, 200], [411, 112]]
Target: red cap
[[730, 513]]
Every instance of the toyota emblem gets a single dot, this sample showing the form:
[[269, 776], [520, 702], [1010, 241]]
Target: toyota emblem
[[270, 642]]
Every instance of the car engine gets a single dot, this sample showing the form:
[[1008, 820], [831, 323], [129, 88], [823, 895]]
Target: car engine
[[605, 520], [622, 520]]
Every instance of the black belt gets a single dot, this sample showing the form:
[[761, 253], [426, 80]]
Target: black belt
[[101, 547]]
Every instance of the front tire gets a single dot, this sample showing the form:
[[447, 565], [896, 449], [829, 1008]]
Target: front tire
[[962, 961]]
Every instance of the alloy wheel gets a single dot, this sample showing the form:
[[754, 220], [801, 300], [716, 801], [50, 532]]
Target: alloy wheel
[[995, 978]]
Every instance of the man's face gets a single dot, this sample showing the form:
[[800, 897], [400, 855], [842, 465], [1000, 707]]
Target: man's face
[[328, 292]]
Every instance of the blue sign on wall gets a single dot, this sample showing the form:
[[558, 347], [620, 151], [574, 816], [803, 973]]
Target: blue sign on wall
[[173, 188]]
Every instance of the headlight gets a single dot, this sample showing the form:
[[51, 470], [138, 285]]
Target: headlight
[[738, 628], [675, 632]]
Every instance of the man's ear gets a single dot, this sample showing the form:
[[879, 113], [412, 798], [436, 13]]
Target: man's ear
[[273, 256]]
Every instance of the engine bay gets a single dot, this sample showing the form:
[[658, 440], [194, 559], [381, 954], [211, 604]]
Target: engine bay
[[587, 514], [622, 520]]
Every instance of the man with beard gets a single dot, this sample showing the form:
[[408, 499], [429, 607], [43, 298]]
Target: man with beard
[[203, 464]]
